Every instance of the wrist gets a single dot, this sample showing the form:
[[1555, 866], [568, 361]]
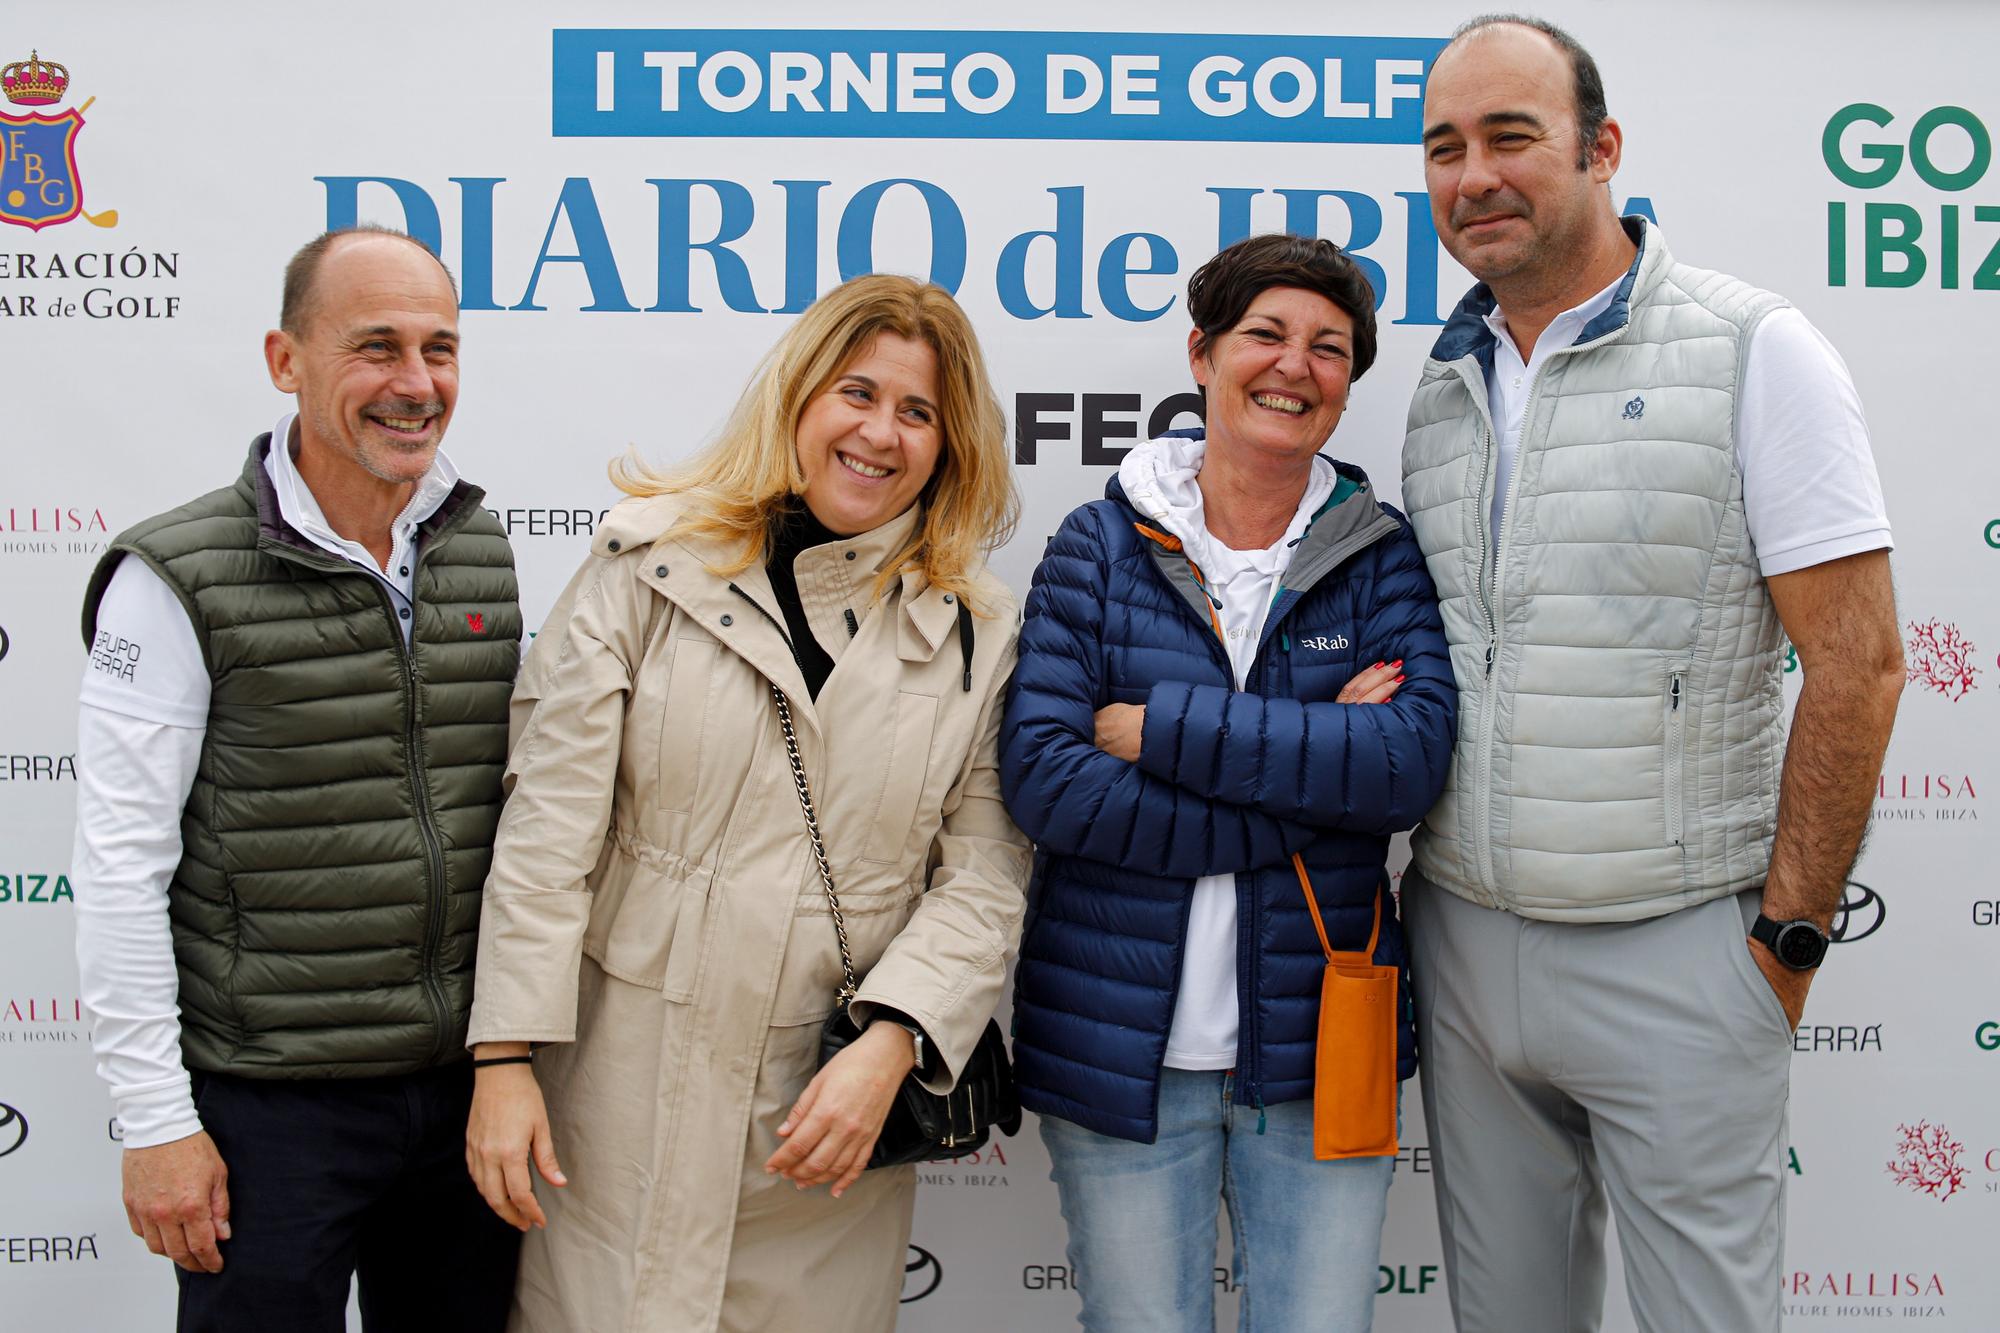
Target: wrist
[[501, 1057], [1797, 943], [902, 1041]]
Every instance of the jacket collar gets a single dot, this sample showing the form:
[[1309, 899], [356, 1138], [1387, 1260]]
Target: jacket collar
[[1350, 521], [1466, 333], [680, 565], [277, 536]]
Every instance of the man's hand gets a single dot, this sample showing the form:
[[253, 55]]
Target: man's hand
[[507, 1130], [177, 1200], [1790, 984], [832, 1128]]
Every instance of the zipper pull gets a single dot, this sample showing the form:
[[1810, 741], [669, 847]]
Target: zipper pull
[[1677, 690], [1260, 1112], [1489, 657], [853, 628], [1284, 642]]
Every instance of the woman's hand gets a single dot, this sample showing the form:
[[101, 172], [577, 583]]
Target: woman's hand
[[1374, 686], [1120, 728], [508, 1128], [832, 1128]]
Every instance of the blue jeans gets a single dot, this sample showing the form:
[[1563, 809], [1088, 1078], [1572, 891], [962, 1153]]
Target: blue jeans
[[1142, 1217]]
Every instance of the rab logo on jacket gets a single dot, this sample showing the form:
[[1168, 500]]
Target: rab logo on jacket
[[476, 621], [1325, 644]]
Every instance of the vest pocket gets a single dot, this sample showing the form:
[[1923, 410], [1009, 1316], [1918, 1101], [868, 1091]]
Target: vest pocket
[[1675, 750]]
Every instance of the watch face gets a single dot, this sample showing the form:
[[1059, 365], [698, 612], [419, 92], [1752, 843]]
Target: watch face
[[1800, 946]]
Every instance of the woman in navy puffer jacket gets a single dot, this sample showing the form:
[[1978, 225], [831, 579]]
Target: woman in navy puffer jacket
[[1233, 658]]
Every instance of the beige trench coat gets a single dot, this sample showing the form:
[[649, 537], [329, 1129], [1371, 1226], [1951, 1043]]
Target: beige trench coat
[[653, 907]]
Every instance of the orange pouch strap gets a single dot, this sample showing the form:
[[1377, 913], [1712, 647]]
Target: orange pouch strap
[[1354, 1074]]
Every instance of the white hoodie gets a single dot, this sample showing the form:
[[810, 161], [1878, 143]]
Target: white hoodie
[[1159, 480]]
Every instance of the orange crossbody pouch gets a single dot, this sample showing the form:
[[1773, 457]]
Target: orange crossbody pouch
[[1354, 1074]]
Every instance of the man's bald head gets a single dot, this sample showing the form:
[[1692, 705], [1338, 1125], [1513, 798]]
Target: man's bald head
[[302, 273], [1587, 83]]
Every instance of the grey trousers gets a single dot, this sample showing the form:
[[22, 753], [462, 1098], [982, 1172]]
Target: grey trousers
[[1649, 1062]]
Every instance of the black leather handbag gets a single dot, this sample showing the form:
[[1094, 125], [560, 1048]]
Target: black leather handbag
[[921, 1124]]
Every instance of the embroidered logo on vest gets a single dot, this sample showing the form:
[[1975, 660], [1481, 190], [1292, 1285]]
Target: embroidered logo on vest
[[1324, 644], [1635, 409], [476, 621]]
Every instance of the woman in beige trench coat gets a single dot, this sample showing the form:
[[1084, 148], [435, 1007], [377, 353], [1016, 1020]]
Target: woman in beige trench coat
[[653, 911]]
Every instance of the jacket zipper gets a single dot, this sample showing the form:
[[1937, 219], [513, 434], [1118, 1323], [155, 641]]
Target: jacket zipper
[[1490, 602], [1482, 838], [1246, 1015], [426, 816], [1676, 724]]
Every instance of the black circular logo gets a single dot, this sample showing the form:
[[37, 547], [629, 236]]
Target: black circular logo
[[13, 1129], [921, 1274], [1860, 914]]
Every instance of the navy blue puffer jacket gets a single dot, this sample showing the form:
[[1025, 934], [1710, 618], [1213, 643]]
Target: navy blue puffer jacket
[[1227, 782]]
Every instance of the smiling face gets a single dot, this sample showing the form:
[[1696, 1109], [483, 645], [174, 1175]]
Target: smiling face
[[1501, 153], [1277, 381], [869, 441], [374, 361]]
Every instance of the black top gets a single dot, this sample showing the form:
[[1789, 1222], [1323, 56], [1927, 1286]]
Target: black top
[[795, 532]]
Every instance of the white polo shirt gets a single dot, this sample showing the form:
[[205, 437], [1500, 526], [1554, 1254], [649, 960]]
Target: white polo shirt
[[1810, 489]]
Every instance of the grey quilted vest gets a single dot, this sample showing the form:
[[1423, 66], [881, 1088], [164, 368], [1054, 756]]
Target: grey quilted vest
[[325, 913], [1620, 700]]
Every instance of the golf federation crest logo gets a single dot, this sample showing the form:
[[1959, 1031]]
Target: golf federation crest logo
[[39, 183]]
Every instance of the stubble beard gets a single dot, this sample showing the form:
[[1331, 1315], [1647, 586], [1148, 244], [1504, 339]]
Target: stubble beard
[[373, 455]]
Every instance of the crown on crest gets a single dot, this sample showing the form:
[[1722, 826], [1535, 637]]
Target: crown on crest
[[34, 81]]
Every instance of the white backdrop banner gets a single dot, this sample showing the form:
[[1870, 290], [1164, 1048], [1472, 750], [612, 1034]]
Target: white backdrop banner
[[636, 200]]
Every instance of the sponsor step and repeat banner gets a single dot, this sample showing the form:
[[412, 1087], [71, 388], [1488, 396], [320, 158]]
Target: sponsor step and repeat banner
[[637, 199]]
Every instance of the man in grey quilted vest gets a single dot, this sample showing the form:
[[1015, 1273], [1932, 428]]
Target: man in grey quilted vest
[[1633, 481], [292, 728]]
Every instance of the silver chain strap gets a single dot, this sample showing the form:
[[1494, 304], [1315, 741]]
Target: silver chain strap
[[848, 984]]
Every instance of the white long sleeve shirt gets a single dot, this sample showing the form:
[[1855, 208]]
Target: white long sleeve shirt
[[143, 712]]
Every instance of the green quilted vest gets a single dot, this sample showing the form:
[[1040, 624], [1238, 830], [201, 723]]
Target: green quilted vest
[[326, 908]]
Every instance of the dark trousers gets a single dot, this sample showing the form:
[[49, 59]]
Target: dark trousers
[[333, 1178]]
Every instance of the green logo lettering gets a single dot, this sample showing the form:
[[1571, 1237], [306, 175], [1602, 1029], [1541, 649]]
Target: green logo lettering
[[1887, 157], [1920, 148]]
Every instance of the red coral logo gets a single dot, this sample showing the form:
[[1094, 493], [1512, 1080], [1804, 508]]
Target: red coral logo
[[1927, 1160], [1940, 658], [476, 621]]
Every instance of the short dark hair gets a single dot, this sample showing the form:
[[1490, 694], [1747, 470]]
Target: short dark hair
[[1223, 288], [1591, 111], [303, 270]]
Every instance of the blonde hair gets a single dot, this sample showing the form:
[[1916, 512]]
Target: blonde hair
[[748, 476]]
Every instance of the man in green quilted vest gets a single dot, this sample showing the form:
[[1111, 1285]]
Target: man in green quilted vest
[[1632, 480], [292, 729]]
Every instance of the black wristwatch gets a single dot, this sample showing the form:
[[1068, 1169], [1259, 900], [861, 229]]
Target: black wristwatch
[[1799, 945]]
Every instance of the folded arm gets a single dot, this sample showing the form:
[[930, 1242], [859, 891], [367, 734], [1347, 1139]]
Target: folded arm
[[1070, 796], [1368, 768]]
